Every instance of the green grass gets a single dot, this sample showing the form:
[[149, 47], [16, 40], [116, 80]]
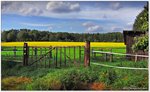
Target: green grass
[[54, 78], [73, 76]]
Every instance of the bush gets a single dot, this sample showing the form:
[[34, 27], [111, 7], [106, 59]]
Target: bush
[[108, 77], [76, 79], [49, 82]]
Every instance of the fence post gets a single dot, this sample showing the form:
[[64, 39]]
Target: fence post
[[87, 54], [60, 55], [111, 55], [56, 55], [79, 53], [15, 52], [65, 55], [92, 53], [32, 54], [74, 55], [136, 57], [45, 57], [35, 53], [41, 56], [50, 52], [25, 54], [50, 56], [106, 57]]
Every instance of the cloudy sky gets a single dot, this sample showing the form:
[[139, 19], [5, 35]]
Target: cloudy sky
[[74, 17]]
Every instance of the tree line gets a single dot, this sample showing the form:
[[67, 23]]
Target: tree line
[[35, 35]]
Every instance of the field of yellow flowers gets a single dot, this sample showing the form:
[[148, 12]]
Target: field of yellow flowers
[[93, 44]]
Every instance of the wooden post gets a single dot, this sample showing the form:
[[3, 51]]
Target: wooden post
[[41, 56], [45, 58], [35, 53], [79, 53], [69, 55], [87, 54], [32, 53], [15, 52], [65, 55], [50, 52], [50, 56], [60, 56], [74, 55], [25, 54], [56, 55], [111, 56], [92, 53], [136, 57], [106, 57]]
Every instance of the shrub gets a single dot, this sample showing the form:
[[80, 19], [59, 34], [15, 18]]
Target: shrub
[[49, 82], [76, 79], [108, 77]]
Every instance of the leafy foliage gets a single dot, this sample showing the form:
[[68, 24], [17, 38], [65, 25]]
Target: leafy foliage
[[141, 43], [76, 79], [141, 22]]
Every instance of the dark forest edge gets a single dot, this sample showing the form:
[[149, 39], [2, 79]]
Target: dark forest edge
[[36, 35]]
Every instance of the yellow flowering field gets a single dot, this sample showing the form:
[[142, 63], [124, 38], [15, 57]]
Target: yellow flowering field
[[93, 44]]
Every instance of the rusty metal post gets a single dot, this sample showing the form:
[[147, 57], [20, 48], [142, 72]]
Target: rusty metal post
[[87, 54]]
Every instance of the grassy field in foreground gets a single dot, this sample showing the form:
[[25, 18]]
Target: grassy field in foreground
[[93, 44], [17, 77]]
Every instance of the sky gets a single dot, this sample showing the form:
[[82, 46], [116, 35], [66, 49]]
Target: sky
[[72, 17]]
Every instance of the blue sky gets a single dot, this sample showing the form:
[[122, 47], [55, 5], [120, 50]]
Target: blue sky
[[73, 17]]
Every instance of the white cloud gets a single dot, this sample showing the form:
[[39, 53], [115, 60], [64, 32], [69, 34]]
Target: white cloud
[[115, 5], [63, 7], [92, 28], [66, 10], [88, 24], [30, 11], [22, 8], [117, 29], [129, 26], [34, 24]]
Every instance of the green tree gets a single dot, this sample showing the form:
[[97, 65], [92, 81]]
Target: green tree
[[141, 24], [141, 21], [11, 36], [4, 36], [22, 36]]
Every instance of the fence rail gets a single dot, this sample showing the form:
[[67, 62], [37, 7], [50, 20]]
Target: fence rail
[[111, 54], [120, 54]]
